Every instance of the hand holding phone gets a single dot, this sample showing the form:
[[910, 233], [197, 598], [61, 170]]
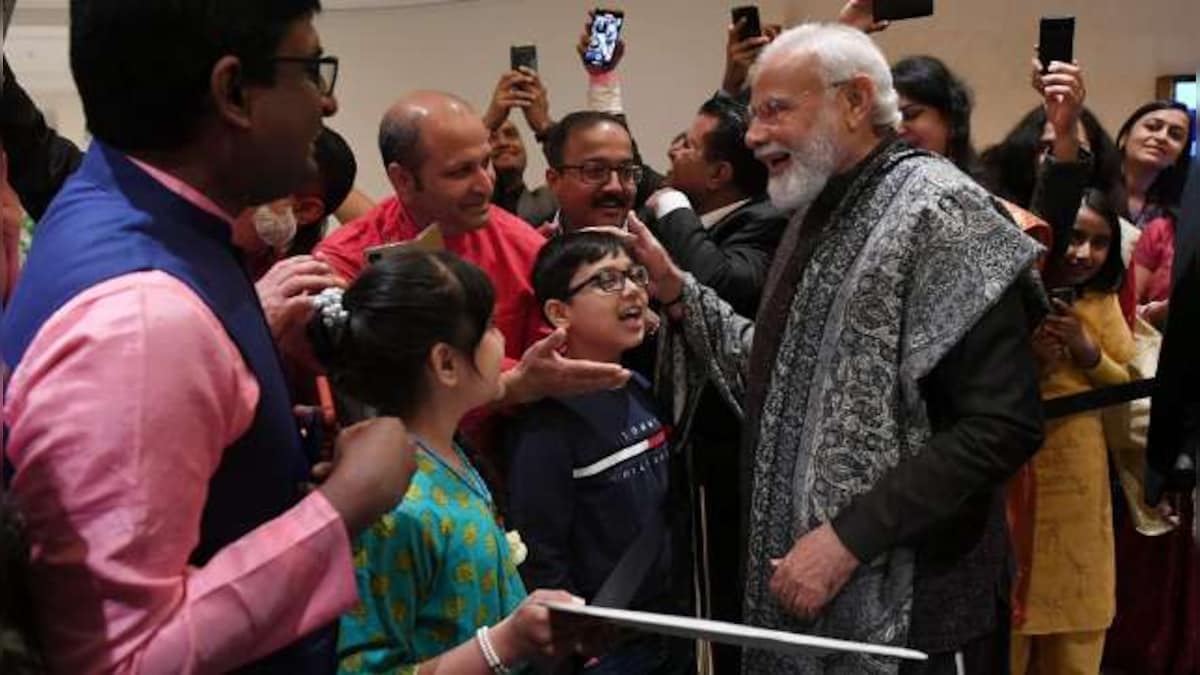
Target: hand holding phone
[[1056, 41], [746, 37]]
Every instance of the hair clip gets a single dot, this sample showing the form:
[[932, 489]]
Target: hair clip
[[333, 314]]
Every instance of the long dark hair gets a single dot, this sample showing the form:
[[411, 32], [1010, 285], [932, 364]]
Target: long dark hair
[[928, 81], [397, 311], [1167, 189], [1009, 166], [1112, 273]]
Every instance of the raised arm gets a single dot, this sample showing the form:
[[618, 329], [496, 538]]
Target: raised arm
[[719, 338]]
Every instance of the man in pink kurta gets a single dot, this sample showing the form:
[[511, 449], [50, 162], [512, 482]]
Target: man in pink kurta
[[125, 396]]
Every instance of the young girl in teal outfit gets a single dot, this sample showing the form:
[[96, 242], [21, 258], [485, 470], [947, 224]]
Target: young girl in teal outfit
[[413, 338]]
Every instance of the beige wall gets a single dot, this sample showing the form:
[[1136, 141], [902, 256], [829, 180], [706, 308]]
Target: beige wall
[[676, 48], [1123, 45], [674, 61]]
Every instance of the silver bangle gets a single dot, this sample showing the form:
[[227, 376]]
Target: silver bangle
[[489, 652]]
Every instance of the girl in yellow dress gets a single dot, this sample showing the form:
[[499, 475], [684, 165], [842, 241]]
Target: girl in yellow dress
[[1068, 602]]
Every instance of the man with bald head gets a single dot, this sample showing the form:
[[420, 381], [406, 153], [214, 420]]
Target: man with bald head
[[888, 382], [436, 151]]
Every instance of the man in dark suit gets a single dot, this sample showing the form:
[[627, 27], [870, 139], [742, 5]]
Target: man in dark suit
[[1174, 443], [715, 218]]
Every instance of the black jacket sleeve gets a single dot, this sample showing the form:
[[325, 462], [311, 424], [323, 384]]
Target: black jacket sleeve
[[736, 267], [1175, 415], [39, 160], [985, 408]]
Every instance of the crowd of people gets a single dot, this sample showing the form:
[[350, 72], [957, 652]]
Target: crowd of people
[[255, 419]]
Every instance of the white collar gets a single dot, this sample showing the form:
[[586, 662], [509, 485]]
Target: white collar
[[717, 215]]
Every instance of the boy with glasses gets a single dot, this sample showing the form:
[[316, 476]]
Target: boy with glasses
[[588, 476]]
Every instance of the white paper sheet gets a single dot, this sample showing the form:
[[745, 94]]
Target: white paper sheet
[[732, 633]]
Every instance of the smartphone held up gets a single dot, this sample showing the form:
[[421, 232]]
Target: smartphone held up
[[898, 10], [605, 35], [746, 17], [523, 56], [1056, 40]]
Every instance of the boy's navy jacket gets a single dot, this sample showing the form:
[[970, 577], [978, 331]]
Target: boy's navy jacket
[[586, 473]]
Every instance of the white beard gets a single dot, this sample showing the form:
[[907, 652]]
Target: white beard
[[813, 163]]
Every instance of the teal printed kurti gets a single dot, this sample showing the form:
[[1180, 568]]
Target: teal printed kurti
[[429, 573]]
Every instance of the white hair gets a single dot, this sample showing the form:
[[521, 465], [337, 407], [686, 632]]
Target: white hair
[[841, 53]]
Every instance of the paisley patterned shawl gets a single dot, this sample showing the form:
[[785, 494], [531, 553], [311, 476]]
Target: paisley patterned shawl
[[910, 260]]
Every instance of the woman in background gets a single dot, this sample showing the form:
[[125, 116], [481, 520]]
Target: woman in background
[[1153, 144], [1083, 345], [1157, 629]]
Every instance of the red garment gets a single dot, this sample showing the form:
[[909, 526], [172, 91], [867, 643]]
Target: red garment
[[505, 248], [1127, 296], [1156, 252], [1157, 628]]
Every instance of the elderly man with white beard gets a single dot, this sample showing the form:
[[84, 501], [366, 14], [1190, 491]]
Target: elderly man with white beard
[[888, 381]]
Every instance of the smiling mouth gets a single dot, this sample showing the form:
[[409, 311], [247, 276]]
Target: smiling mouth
[[777, 162]]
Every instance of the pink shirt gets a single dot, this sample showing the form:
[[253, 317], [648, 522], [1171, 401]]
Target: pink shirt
[[118, 416]]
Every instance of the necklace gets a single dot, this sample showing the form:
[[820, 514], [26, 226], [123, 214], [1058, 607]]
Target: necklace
[[472, 480]]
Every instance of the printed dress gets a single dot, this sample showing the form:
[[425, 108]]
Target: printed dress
[[429, 573], [1070, 569]]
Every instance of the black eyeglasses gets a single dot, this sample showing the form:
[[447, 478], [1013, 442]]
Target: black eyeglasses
[[596, 172], [612, 280], [322, 70]]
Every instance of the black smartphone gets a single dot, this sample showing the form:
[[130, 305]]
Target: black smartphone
[[898, 10], [605, 34], [523, 56], [312, 435], [752, 27], [1064, 294], [1056, 40]]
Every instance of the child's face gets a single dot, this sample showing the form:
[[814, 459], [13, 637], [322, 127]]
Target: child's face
[[1089, 248], [607, 315]]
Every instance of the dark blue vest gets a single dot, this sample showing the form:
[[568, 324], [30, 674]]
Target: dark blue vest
[[111, 219]]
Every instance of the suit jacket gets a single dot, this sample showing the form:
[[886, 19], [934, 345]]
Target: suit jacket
[[535, 207], [1175, 415], [733, 256]]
